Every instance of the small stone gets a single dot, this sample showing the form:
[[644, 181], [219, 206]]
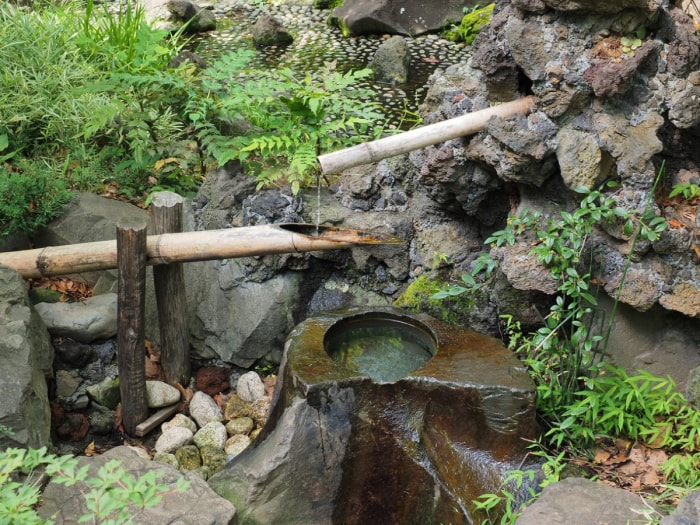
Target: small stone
[[179, 420], [159, 394], [211, 434], [236, 444], [240, 425], [250, 387], [188, 457], [101, 419], [214, 458], [260, 409], [105, 393], [74, 427], [212, 379], [204, 409], [236, 407], [173, 439], [167, 458]]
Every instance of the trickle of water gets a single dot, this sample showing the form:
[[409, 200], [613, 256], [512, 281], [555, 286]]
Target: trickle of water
[[318, 204]]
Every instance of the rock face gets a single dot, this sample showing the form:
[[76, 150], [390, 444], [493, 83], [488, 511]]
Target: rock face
[[416, 450], [171, 15], [26, 357], [362, 17], [197, 505]]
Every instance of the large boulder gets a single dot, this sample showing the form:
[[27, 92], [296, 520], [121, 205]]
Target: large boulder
[[198, 505], [26, 357], [364, 17], [578, 501]]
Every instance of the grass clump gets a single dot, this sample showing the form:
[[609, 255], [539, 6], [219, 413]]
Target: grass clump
[[473, 20]]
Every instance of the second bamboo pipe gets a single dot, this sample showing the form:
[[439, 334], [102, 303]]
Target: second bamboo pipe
[[374, 151]]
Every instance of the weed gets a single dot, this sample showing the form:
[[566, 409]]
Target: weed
[[689, 191], [473, 20]]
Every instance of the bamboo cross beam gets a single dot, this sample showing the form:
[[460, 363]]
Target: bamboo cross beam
[[191, 246], [384, 148]]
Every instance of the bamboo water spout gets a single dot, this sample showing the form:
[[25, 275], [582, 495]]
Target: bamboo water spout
[[192, 246], [374, 151]]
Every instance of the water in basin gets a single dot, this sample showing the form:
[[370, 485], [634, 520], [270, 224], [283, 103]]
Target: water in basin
[[383, 348]]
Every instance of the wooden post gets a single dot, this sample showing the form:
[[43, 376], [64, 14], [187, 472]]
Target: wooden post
[[169, 281], [131, 270]]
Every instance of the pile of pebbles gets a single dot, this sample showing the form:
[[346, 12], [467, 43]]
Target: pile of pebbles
[[316, 43], [212, 434]]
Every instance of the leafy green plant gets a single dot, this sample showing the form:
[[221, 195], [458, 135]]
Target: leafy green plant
[[30, 197], [473, 20], [111, 497], [573, 336], [291, 120], [689, 191]]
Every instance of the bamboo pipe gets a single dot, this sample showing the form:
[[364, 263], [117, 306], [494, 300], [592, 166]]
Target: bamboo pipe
[[191, 246], [374, 151]]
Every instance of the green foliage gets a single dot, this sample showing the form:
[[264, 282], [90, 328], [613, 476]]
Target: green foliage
[[42, 105], [30, 196], [111, 498], [640, 406], [504, 507], [564, 348], [472, 22], [292, 120], [689, 191]]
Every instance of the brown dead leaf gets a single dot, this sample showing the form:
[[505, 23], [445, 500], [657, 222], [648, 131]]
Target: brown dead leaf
[[90, 449], [600, 456]]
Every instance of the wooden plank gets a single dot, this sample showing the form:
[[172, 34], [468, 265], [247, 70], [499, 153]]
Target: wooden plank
[[393, 145], [169, 281], [131, 303], [156, 419]]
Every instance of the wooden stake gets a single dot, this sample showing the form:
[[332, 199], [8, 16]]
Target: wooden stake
[[131, 301], [420, 137], [169, 281]]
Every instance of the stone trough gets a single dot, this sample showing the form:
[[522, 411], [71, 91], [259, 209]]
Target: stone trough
[[346, 444]]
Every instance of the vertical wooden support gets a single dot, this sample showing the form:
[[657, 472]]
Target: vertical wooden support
[[131, 297], [169, 280]]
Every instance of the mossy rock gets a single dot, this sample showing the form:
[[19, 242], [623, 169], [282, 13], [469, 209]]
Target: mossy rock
[[44, 295], [418, 297]]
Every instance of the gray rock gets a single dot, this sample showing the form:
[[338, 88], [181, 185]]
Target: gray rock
[[86, 321], [390, 61], [577, 501], [160, 394], [173, 439], [362, 17], [204, 409], [268, 31], [212, 434], [26, 357], [102, 419], [250, 387], [171, 15], [198, 505], [687, 512], [105, 393], [179, 420], [236, 444]]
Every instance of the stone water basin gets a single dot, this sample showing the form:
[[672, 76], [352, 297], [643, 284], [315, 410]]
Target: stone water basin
[[412, 445]]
